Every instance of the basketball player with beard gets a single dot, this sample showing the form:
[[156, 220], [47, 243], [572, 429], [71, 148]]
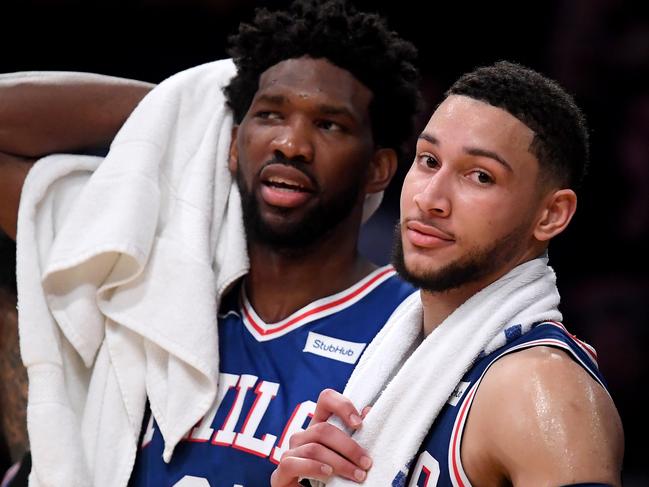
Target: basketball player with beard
[[492, 182]]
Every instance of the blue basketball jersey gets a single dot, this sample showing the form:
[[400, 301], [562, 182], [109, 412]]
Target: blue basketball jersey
[[439, 463], [270, 379]]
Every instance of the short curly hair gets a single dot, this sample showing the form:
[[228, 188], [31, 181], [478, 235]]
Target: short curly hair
[[560, 134], [358, 42]]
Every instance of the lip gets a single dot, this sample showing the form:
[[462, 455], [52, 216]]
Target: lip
[[292, 178], [285, 186], [422, 235]]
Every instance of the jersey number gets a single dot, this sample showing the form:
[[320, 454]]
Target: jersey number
[[426, 471]]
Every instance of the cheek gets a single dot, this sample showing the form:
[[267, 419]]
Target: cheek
[[252, 152], [339, 163], [250, 144], [352, 151], [490, 216], [254, 137]]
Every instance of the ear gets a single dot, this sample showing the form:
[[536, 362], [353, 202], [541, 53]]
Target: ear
[[233, 158], [381, 170], [556, 214]]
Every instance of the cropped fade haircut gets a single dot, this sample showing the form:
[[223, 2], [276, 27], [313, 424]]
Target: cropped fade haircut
[[560, 135], [358, 42]]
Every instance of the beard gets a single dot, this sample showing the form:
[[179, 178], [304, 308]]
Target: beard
[[477, 264], [295, 236]]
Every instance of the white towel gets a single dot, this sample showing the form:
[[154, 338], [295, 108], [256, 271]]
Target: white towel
[[133, 261], [408, 388]]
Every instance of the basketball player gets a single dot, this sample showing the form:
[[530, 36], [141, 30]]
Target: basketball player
[[311, 99], [492, 183]]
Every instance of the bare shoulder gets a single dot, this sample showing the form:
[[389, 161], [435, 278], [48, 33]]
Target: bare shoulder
[[545, 421]]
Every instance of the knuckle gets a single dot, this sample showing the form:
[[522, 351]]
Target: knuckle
[[311, 450], [320, 429], [327, 394], [296, 439], [288, 466], [288, 463], [285, 456]]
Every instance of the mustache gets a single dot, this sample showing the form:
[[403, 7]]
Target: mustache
[[303, 167]]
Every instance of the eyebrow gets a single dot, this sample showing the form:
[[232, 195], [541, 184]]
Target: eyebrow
[[273, 99], [324, 108], [428, 137], [333, 110], [474, 151]]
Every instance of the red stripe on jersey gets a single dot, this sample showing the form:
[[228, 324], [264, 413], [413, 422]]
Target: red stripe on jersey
[[319, 309], [248, 450], [426, 473], [592, 353], [459, 426]]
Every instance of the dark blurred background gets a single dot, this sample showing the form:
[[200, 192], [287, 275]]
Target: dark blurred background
[[597, 49]]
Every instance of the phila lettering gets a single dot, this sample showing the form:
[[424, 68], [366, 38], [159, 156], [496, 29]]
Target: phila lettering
[[247, 437]]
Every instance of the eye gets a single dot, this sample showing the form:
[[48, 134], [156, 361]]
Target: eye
[[268, 115], [481, 177], [329, 125], [429, 161]]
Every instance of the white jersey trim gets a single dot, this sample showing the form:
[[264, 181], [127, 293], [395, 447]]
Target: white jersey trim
[[320, 308]]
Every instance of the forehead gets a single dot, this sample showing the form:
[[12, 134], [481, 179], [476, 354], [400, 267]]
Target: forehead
[[472, 123], [317, 80]]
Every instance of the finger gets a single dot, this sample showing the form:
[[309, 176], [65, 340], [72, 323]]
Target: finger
[[291, 468], [341, 466], [332, 402], [334, 439], [365, 411]]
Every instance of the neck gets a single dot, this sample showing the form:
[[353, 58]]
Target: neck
[[280, 283], [439, 305]]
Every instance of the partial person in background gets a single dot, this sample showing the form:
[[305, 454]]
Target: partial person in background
[[13, 376]]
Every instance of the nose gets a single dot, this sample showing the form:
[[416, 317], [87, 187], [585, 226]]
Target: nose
[[434, 197], [293, 141]]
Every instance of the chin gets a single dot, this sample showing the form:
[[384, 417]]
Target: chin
[[423, 276], [279, 225], [420, 263]]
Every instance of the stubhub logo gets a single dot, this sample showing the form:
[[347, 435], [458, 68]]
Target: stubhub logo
[[333, 348]]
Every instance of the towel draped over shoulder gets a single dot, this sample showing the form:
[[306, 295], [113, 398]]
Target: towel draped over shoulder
[[121, 267]]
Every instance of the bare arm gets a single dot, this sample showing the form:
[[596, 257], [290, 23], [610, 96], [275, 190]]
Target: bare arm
[[46, 112], [540, 419]]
